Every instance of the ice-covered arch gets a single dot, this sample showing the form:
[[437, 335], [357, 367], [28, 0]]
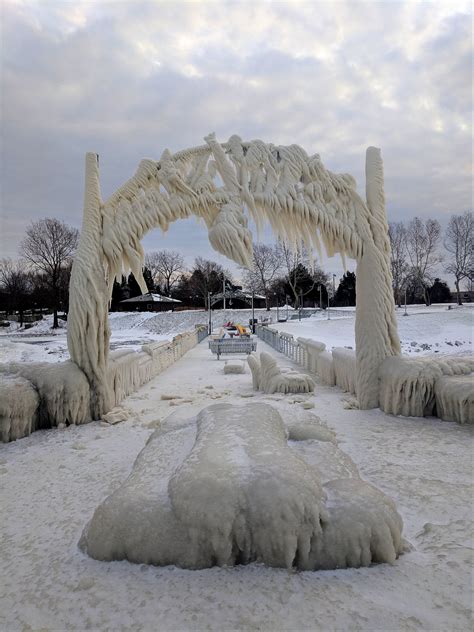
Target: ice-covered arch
[[300, 198]]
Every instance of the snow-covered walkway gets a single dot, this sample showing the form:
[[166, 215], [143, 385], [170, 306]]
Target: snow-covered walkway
[[52, 481]]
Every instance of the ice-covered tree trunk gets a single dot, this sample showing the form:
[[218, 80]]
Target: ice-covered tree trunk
[[88, 329], [376, 325]]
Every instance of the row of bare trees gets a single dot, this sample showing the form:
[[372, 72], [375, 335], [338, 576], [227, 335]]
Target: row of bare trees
[[41, 275], [278, 271], [417, 255]]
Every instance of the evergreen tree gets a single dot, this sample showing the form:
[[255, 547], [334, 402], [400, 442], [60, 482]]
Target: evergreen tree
[[346, 291], [439, 292]]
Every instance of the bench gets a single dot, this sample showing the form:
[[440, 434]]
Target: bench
[[235, 345]]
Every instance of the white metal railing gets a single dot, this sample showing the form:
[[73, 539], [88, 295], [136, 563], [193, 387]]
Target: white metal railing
[[284, 343]]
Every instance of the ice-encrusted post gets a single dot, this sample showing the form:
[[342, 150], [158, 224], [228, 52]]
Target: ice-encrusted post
[[88, 330], [376, 324]]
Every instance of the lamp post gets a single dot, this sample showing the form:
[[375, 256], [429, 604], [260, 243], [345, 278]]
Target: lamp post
[[334, 288], [287, 315], [253, 312], [406, 313], [329, 309], [301, 305], [278, 307], [223, 292], [209, 326]]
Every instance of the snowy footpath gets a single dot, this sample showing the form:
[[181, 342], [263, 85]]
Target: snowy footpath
[[52, 481]]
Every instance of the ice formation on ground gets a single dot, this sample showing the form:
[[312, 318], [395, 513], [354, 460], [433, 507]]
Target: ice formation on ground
[[226, 487], [268, 377], [234, 366], [283, 185]]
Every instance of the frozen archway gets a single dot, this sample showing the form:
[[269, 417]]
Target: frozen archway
[[300, 198]]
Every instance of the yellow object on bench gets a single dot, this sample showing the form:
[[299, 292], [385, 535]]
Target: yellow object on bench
[[243, 331]]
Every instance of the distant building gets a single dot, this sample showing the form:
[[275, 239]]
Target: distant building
[[236, 299], [148, 303]]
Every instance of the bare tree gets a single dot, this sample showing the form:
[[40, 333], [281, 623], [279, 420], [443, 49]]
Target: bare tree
[[49, 247], [422, 242], [458, 241], [266, 264], [166, 267], [398, 234], [16, 283], [206, 276]]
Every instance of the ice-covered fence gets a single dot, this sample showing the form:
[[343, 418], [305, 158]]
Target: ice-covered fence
[[455, 398], [407, 385], [19, 403], [44, 395], [345, 369], [284, 343], [303, 351]]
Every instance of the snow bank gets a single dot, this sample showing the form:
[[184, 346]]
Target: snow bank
[[407, 385], [345, 369], [455, 398], [226, 488], [19, 404]]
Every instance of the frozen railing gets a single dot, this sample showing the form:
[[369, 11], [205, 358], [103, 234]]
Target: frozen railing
[[306, 352], [36, 396], [284, 343]]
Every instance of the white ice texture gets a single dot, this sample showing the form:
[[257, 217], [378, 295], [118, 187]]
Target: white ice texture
[[234, 367], [227, 488]]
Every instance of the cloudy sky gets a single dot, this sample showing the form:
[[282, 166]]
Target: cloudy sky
[[127, 79]]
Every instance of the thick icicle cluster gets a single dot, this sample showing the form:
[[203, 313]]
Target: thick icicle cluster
[[227, 488]]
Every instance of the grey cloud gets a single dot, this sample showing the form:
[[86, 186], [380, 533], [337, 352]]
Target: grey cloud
[[391, 75]]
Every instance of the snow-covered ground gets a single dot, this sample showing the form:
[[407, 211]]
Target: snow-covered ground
[[52, 481], [425, 330]]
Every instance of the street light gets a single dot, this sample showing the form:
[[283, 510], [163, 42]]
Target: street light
[[253, 312], [209, 327]]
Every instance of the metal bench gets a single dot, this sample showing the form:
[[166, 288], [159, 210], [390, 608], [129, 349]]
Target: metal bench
[[235, 345]]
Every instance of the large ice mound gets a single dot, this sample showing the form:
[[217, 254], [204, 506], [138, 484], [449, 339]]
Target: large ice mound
[[226, 488]]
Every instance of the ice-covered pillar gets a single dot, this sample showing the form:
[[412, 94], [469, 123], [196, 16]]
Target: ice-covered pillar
[[88, 329], [376, 325]]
